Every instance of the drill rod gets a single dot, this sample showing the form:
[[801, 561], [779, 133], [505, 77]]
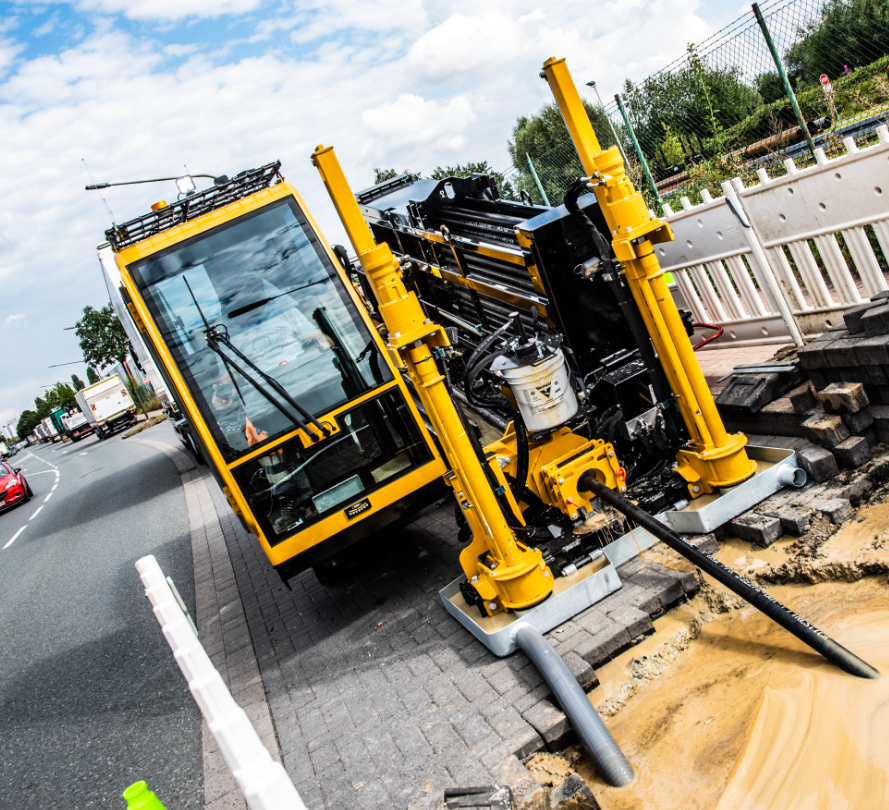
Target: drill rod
[[805, 632]]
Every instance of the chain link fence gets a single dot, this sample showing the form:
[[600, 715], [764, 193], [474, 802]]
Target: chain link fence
[[722, 110]]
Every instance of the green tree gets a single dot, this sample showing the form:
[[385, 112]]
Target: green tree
[[770, 87], [382, 175], [61, 395], [42, 407], [79, 384], [27, 422], [544, 138], [91, 376], [103, 340], [697, 102], [466, 169], [846, 32]]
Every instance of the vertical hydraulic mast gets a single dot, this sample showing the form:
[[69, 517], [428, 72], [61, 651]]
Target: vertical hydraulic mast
[[715, 458], [511, 576]]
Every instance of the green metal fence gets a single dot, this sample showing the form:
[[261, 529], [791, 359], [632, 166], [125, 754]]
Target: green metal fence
[[723, 110]]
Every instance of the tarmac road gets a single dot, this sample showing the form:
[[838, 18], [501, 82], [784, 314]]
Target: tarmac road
[[91, 699]]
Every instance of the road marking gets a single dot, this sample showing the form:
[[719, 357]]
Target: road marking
[[36, 513], [42, 472], [48, 496], [55, 485], [15, 536], [81, 454]]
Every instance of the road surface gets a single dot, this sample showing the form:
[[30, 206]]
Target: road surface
[[91, 699]]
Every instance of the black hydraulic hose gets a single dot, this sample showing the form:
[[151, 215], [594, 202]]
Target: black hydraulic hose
[[473, 373], [486, 413], [479, 352], [522, 455], [596, 738], [570, 202], [805, 632]]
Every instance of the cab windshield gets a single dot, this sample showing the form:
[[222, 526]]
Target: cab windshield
[[265, 283]]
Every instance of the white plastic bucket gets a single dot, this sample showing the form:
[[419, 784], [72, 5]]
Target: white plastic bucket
[[543, 392]]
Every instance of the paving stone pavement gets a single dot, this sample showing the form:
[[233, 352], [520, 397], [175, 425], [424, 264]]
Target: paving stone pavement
[[379, 698]]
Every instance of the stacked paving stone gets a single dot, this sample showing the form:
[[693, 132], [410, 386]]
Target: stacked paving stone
[[830, 492], [842, 408]]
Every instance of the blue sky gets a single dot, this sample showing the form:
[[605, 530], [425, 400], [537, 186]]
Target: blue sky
[[141, 88]]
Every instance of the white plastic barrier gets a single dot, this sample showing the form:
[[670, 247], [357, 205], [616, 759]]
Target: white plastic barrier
[[264, 782], [729, 260]]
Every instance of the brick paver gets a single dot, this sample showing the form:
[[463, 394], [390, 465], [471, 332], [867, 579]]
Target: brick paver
[[379, 697]]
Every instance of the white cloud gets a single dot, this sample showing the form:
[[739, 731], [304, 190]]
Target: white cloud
[[45, 28], [404, 85], [412, 121], [166, 10], [9, 320]]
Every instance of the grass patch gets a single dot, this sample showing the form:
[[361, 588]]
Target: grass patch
[[155, 420]]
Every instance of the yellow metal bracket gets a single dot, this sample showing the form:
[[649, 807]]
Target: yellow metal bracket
[[715, 457], [563, 475]]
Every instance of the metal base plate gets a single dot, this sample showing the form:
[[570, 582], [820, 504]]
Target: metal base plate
[[574, 594]]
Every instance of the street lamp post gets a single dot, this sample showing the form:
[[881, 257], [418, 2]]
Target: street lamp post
[[610, 122]]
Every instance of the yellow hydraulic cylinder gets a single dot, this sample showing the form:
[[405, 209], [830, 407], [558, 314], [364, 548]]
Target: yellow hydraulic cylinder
[[715, 458], [510, 575]]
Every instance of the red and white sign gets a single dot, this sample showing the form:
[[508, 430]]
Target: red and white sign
[[145, 380], [824, 80]]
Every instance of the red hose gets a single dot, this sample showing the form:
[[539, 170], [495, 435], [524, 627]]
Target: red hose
[[705, 341]]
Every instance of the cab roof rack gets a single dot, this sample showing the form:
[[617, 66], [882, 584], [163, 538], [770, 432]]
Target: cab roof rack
[[224, 191]]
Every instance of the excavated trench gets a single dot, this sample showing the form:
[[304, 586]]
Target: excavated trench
[[721, 708]]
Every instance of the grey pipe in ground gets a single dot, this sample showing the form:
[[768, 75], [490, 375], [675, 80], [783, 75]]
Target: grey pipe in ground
[[596, 738]]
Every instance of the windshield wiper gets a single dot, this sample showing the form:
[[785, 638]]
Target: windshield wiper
[[217, 335], [263, 301]]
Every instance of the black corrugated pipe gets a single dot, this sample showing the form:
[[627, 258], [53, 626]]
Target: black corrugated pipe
[[818, 641], [596, 738]]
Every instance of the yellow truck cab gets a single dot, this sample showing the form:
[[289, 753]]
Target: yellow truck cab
[[290, 393]]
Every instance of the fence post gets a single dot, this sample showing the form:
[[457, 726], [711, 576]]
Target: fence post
[[787, 88], [758, 257], [638, 149], [537, 181]]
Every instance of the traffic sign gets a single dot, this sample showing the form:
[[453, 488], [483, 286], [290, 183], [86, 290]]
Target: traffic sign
[[824, 80], [145, 380]]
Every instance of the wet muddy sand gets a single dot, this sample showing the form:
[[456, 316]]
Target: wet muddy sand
[[721, 708]]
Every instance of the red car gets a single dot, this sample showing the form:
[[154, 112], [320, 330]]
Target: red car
[[13, 487]]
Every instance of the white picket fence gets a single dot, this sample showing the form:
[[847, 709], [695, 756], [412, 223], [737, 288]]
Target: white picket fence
[[729, 262]]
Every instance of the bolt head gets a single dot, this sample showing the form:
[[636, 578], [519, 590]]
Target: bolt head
[[574, 516], [623, 488], [561, 480], [546, 573], [695, 488], [492, 606], [611, 454]]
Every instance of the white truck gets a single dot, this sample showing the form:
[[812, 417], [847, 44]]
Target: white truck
[[77, 426], [50, 431], [107, 406], [4, 450]]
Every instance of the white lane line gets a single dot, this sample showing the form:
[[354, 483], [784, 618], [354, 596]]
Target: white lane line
[[82, 454], [36, 513], [42, 472], [14, 537], [54, 486], [48, 496]]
